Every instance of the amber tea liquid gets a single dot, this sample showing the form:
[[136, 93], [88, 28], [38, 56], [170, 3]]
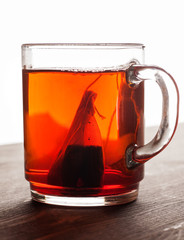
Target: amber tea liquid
[[77, 126]]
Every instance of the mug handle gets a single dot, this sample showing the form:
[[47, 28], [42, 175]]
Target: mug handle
[[136, 155]]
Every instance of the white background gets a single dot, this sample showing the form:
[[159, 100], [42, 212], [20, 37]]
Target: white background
[[158, 24]]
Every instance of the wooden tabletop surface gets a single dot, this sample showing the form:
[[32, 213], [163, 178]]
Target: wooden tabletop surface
[[157, 214]]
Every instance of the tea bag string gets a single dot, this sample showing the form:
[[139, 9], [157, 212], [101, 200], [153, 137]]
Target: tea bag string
[[103, 117], [112, 117], [109, 128], [93, 82]]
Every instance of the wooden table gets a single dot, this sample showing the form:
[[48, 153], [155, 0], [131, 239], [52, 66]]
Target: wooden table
[[157, 214]]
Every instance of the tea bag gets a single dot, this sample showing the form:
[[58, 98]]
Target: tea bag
[[80, 161]]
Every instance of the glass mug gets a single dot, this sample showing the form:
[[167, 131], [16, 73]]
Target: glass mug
[[84, 121]]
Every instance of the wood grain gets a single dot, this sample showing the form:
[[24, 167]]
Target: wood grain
[[157, 214]]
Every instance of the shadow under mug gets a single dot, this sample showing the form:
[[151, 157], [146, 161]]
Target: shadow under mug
[[84, 121]]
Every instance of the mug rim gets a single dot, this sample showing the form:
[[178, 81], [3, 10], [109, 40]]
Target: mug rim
[[83, 46]]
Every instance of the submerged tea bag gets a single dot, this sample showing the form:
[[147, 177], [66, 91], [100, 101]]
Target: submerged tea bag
[[80, 161]]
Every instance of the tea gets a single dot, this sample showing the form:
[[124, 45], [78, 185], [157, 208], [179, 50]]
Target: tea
[[77, 126]]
